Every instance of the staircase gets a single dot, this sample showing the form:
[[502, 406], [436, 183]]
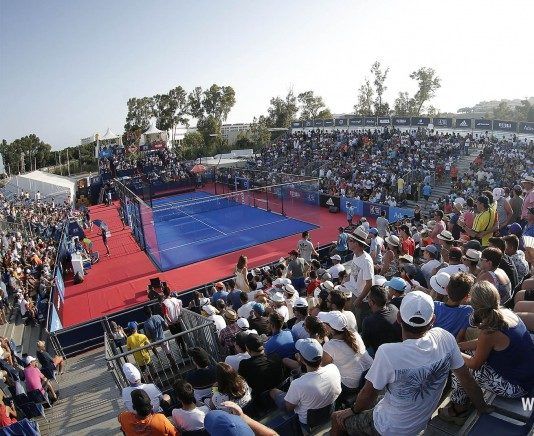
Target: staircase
[[444, 186]]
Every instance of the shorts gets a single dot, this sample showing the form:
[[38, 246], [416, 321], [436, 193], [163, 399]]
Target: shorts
[[361, 423]]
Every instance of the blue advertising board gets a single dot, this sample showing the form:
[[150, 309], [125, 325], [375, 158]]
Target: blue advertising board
[[318, 123], [328, 123], [420, 121], [444, 123], [526, 128], [384, 121], [369, 121], [296, 124], [341, 122]]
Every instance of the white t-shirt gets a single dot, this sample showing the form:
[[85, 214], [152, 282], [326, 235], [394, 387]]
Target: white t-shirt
[[219, 321], [174, 308], [234, 360], [428, 267], [298, 331], [361, 270], [334, 270], [314, 390], [453, 269], [413, 374], [283, 311], [190, 420], [244, 311], [305, 248], [351, 365], [152, 391]]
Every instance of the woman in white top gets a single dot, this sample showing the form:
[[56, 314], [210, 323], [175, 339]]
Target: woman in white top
[[346, 350], [241, 273]]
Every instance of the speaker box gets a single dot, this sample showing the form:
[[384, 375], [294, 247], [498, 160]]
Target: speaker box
[[333, 209]]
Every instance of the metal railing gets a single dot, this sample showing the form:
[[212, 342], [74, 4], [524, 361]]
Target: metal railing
[[168, 357]]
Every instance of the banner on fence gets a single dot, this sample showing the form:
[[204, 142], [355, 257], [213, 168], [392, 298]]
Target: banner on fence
[[526, 128], [308, 197], [384, 121], [463, 123], [445, 123], [296, 124], [341, 122], [505, 126], [329, 123], [401, 121], [398, 213], [329, 201], [483, 124], [318, 123], [356, 121], [420, 121], [369, 121], [308, 124]]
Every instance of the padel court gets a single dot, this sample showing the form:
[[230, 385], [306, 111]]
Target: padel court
[[191, 227]]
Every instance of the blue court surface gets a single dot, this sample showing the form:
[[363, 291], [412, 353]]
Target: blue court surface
[[190, 227]]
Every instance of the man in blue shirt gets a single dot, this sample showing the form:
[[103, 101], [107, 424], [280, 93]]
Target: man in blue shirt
[[220, 293], [281, 342], [427, 191], [350, 213], [234, 296], [154, 328]]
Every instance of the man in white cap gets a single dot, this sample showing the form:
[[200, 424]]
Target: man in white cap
[[336, 268], [133, 375], [318, 387], [300, 310], [361, 274], [528, 200], [412, 373]]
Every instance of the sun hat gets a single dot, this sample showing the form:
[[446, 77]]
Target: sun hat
[[300, 302], [327, 285], [229, 314], [379, 280], [407, 257], [439, 282], [210, 310], [446, 236], [417, 309], [336, 257], [473, 255], [242, 323], [393, 240], [290, 289], [497, 193], [359, 235], [277, 297]]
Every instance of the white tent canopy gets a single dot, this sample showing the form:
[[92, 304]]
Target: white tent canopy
[[152, 130], [109, 135], [50, 186]]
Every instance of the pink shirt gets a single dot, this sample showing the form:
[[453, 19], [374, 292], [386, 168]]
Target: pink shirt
[[528, 201], [33, 377], [440, 226]]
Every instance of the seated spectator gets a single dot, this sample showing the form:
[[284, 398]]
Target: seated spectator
[[452, 315], [203, 377], [137, 340], [278, 305], [471, 259], [119, 336], [502, 356], [410, 273], [337, 301], [133, 376], [8, 413], [345, 349], [219, 423], [300, 310], [241, 351], [230, 387], [36, 380], [455, 262], [227, 334], [281, 342], [517, 256], [430, 262], [245, 307], [49, 365], [381, 326], [318, 387], [506, 263], [490, 271], [189, 417], [213, 314], [316, 329], [421, 363], [258, 321], [144, 418], [396, 288], [438, 286], [260, 372]]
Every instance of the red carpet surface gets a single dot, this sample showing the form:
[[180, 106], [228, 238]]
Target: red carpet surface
[[121, 280]]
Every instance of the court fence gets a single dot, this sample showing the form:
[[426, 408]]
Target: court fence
[[168, 357]]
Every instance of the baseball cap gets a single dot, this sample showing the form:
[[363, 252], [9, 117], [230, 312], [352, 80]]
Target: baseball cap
[[254, 342], [473, 244], [410, 269], [29, 359], [300, 302], [455, 253], [278, 282], [310, 349], [396, 283], [334, 319], [431, 249], [335, 257], [221, 423], [131, 372], [373, 230], [379, 280], [243, 323], [417, 309], [258, 308], [439, 282], [132, 325]]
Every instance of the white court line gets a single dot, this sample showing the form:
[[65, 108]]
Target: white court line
[[202, 222], [227, 234]]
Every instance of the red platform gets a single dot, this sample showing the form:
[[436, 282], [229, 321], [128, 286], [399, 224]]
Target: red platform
[[120, 281]]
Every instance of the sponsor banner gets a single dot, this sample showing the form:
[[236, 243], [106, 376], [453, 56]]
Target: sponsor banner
[[318, 123], [463, 123], [369, 121], [341, 122], [444, 123], [329, 123], [60, 285], [505, 126], [308, 123], [526, 128], [329, 201], [55, 322], [384, 121], [398, 213], [401, 121], [296, 124], [420, 121], [483, 124], [374, 210], [356, 204], [301, 195], [356, 121]]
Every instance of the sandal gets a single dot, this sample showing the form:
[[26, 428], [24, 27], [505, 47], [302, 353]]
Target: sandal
[[450, 414]]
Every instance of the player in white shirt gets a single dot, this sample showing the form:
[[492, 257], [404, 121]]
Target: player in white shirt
[[305, 247]]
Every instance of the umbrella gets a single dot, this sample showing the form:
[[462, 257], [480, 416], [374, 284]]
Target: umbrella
[[198, 168], [100, 223]]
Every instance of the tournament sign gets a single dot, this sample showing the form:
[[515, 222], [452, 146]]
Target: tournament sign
[[356, 121]]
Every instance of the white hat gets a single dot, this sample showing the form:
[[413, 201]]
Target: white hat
[[336, 257], [528, 241], [359, 235], [29, 359], [243, 323], [439, 282], [131, 372], [431, 224], [459, 201], [277, 297], [290, 289], [407, 257], [379, 280], [347, 293], [528, 179], [327, 285], [286, 281], [209, 309], [310, 349], [497, 193], [417, 309], [203, 301], [278, 282], [393, 240], [473, 255], [300, 302], [334, 319], [445, 235]]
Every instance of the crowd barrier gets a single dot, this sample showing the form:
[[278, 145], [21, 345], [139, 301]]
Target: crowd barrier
[[480, 124]]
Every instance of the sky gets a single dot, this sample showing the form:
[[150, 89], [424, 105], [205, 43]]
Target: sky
[[67, 68]]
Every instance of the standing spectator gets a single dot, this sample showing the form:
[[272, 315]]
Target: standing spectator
[[234, 295], [104, 233], [241, 273], [376, 246], [516, 202], [504, 212], [49, 365], [438, 228], [350, 213], [220, 293], [407, 243], [382, 224], [528, 201], [342, 247], [171, 308], [35, 379], [305, 247], [133, 376], [137, 340], [296, 269], [143, 420], [228, 334], [213, 315], [483, 222], [154, 327]]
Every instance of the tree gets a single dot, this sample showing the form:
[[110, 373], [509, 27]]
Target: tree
[[502, 112], [192, 140], [37, 153], [381, 107], [259, 133], [365, 99], [243, 141], [525, 112], [140, 110], [404, 105], [217, 101], [171, 109], [282, 110], [310, 105], [428, 83]]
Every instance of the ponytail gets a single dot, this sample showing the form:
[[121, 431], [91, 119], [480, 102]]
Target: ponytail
[[350, 339]]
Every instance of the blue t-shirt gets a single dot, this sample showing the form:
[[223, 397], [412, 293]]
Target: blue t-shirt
[[427, 190], [234, 299], [452, 319], [342, 242], [282, 344], [154, 328], [218, 295]]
